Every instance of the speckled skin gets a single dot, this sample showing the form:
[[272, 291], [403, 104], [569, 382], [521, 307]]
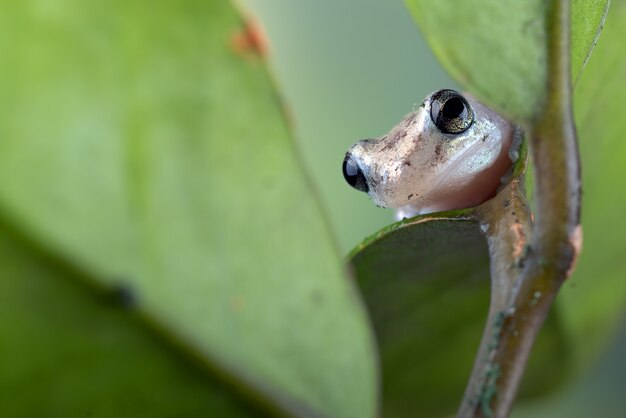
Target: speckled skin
[[419, 169]]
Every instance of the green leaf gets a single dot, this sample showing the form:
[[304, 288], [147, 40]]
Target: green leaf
[[67, 350], [587, 23], [594, 299], [426, 285], [497, 49], [141, 146]]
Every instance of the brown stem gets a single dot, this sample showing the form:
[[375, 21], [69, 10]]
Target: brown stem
[[507, 224], [513, 327]]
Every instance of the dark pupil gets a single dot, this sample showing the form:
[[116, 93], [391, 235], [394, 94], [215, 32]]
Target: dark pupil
[[453, 108], [450, 112]]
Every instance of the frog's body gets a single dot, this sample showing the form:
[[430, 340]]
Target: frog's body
[[451, 153]]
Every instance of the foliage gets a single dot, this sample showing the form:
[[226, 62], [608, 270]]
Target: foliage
[[498, 50], [141, 147], [164, 254]]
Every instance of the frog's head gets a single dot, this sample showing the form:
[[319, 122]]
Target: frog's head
[[450, 153]]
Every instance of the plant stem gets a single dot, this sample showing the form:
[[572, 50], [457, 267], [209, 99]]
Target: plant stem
[[507, 223], [549, 260]]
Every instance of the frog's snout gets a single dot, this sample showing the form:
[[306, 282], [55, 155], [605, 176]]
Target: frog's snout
[[353, 173]]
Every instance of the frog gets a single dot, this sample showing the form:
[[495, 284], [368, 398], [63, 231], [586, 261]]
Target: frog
[[453, 152]]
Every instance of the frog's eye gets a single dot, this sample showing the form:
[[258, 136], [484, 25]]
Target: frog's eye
[[451, 112], [353, 174]]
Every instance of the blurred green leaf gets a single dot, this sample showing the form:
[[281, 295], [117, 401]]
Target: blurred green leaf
[[68, 351], [426, 285], [141, 146], [497, 49]]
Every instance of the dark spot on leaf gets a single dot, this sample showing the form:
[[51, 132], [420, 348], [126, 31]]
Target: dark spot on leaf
[[122, 295], [507, 203]]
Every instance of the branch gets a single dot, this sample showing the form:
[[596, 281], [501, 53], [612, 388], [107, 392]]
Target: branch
[[556, 238]]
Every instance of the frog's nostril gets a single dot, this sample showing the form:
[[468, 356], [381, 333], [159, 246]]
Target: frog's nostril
[[353, 174]]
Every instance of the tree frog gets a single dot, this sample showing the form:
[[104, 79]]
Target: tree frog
[[451, 153]]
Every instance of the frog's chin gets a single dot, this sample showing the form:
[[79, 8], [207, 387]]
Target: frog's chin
[[409, 211], [406, 212], [420, 206]]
